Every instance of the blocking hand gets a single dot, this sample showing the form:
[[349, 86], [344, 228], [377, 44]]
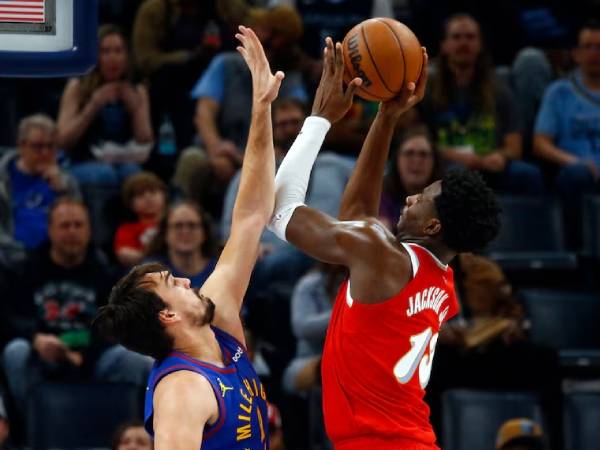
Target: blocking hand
[[265, 85]]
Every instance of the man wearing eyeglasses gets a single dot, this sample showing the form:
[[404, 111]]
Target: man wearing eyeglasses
[[30, 181]]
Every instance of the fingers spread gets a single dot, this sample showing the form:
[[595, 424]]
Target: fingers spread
[[330, 56], [339, 60]]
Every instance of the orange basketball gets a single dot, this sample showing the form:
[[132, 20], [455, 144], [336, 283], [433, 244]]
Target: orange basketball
[[385, 53]]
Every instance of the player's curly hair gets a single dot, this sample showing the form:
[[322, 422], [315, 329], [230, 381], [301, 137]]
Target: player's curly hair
[[468, 211]]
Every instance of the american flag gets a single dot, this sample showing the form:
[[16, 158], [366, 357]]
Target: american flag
[[22, 11]]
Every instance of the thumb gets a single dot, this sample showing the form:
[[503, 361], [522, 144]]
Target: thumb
[[279, 76], [354, 84]]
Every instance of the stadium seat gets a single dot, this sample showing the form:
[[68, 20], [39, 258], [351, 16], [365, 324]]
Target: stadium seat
[[471, 419], [582, 417], [566, 321], [79, 416], [591, 227], [531, 236]]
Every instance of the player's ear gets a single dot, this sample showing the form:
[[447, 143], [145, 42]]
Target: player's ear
[[433, 226], [168, 317]]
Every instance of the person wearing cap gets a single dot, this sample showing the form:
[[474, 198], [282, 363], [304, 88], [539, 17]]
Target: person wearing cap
[[224, 91], [520, 434]]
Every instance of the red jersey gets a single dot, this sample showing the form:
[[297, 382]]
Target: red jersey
[[377, 361]]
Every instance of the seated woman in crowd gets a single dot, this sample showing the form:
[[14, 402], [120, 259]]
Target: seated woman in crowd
[[104, 118], [185, 243], [415, 164]]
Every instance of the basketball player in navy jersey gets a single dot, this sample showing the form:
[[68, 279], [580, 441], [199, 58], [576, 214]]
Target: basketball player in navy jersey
[[203, 391]]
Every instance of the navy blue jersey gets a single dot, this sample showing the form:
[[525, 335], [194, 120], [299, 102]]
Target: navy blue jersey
[[243, 418]]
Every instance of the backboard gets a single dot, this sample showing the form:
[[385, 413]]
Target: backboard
[[47, 38]]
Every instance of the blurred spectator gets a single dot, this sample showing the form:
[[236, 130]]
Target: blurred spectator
[[104, 119], [146, 196], [173, 42], [53, 301], [280, 261], [132, 436], [531, 72], [224, 91], [30, 181], [520, 434], [275, 428], [195, 178], [567, 129], [481, 349], [312, 302], [474, 116], [333, 18], [324, 18], [414, 165], [4, 427], [185, 243], [119, 12]]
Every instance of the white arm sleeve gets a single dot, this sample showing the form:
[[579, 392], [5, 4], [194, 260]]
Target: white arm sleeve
[[292, 177]]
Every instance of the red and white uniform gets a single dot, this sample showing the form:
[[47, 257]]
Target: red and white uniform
[[377, 361]]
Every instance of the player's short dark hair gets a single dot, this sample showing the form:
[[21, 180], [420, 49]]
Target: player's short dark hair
[[131, 315], [468, 211]]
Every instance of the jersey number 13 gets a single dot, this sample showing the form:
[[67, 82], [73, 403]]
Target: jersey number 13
[[407, 365]]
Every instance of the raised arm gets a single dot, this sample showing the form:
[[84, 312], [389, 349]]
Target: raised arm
[[255, 199], [315, 233], [363, 193]]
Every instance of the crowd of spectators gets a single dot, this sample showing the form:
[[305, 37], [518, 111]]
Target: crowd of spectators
[[141, 164]]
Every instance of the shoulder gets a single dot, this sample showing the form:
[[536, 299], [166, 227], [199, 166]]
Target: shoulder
[[184, 382], [559, 88], [185, 392], [369, 231]]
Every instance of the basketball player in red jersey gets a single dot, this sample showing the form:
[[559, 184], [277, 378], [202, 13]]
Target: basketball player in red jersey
[[386, 319]]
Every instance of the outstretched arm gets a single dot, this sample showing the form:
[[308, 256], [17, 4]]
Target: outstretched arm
[[363, 193], [255, 199], [315, 233]]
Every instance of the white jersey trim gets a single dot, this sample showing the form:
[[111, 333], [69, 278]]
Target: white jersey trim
[[414, 260], [349, 299], [435, 258]]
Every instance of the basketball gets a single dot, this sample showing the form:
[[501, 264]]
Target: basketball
[[385, 53]]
